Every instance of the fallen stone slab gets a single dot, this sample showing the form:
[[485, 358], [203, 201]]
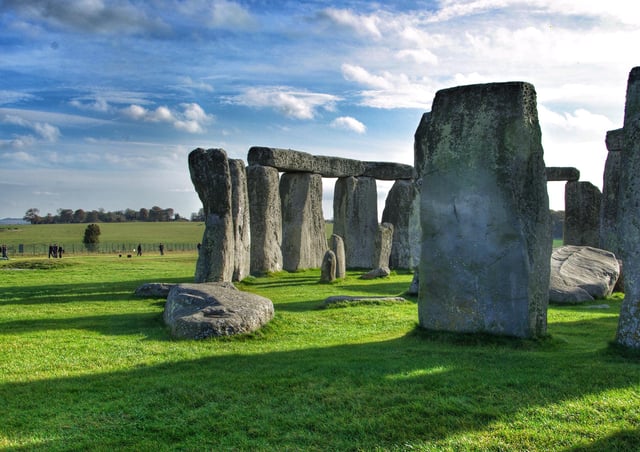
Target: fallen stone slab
[[198, 311], [581, 273], [351, 299], [380, 272], [153, 290]]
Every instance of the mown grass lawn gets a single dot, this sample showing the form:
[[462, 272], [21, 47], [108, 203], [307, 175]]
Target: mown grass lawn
[[84, 365]]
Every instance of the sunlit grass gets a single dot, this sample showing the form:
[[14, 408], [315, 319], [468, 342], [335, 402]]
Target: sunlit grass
[[85, 365]]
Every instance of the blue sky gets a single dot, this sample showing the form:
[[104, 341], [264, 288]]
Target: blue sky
[[101, 101]]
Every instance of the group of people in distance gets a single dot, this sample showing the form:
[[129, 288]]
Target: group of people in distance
[[3, 248], [55, 251]]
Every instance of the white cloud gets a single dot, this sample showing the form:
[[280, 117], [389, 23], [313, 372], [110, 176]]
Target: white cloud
[[292, 103], [191, 119], [43, 131], [420, 56], [365, 25], [218, 14], [99, 104], [11, 97], [349, 123]]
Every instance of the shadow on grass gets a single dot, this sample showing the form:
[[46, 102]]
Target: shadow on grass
[[349, 397]]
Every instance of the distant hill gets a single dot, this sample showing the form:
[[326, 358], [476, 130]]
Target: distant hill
[[13, 221]]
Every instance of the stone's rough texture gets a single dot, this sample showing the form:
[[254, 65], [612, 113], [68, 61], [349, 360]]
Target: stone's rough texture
[[211, 178], [557, 173], [609, 235], [266, 219], [419, 145], [486, 235], [582, 273], [355, 219], [615, 140], [380, 272], [350, 299], [336, 244], [241, 223], [153, 290], [303, 233], [402, 210], [628, 333], [582, 214], [415, 284], [384, 240], [198, 311], [288, 160], [328, 268]]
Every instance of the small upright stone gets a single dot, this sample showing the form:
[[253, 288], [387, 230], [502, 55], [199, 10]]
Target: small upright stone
[[486, 235], [582, 214], [211, 178], [266, 219], [336, 244], [328, 267], [384, 240]]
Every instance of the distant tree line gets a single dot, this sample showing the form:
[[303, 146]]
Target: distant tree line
[[65, 216]]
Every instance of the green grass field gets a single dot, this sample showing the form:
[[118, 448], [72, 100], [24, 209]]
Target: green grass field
[[84, 365]]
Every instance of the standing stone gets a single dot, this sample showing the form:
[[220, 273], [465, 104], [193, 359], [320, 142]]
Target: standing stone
[[402, 209], [582, 214], [609, 236], [384, 241], [355, 217], [304, 239], [211, 178], [419, 145], [628, 333], [486, 235], [241, 224], [266, 219], [328, 267], [336, 244]]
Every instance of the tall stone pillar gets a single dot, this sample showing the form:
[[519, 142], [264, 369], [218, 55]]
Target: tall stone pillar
[[628, 333], [582, 214], [402, 210], [211, 178], [241, 223], [486, 235], [355, 219], [304, 239], [609, 235], [266, 219]]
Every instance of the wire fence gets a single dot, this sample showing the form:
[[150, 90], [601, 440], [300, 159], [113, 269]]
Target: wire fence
[[78, 248]]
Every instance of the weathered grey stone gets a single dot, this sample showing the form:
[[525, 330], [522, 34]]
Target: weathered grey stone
[[153, 290], [328, 267], [581, 273], [355, 219], [198, 311], [486, 236], [419, 145], [582, 214], [609, 235], [336, 244], [380, 272], [402, 209], [241, 222], [304, 239], [350, 299], [211, 177], [288, 160], [557, 173], [615, 140], [628, 333], [415, 284], [266, 219], [384, 240]]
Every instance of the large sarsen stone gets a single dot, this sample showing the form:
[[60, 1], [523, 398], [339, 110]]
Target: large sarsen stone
[[198, 311]]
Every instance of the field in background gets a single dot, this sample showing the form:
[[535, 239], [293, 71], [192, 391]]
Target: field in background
[[114, 237]]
